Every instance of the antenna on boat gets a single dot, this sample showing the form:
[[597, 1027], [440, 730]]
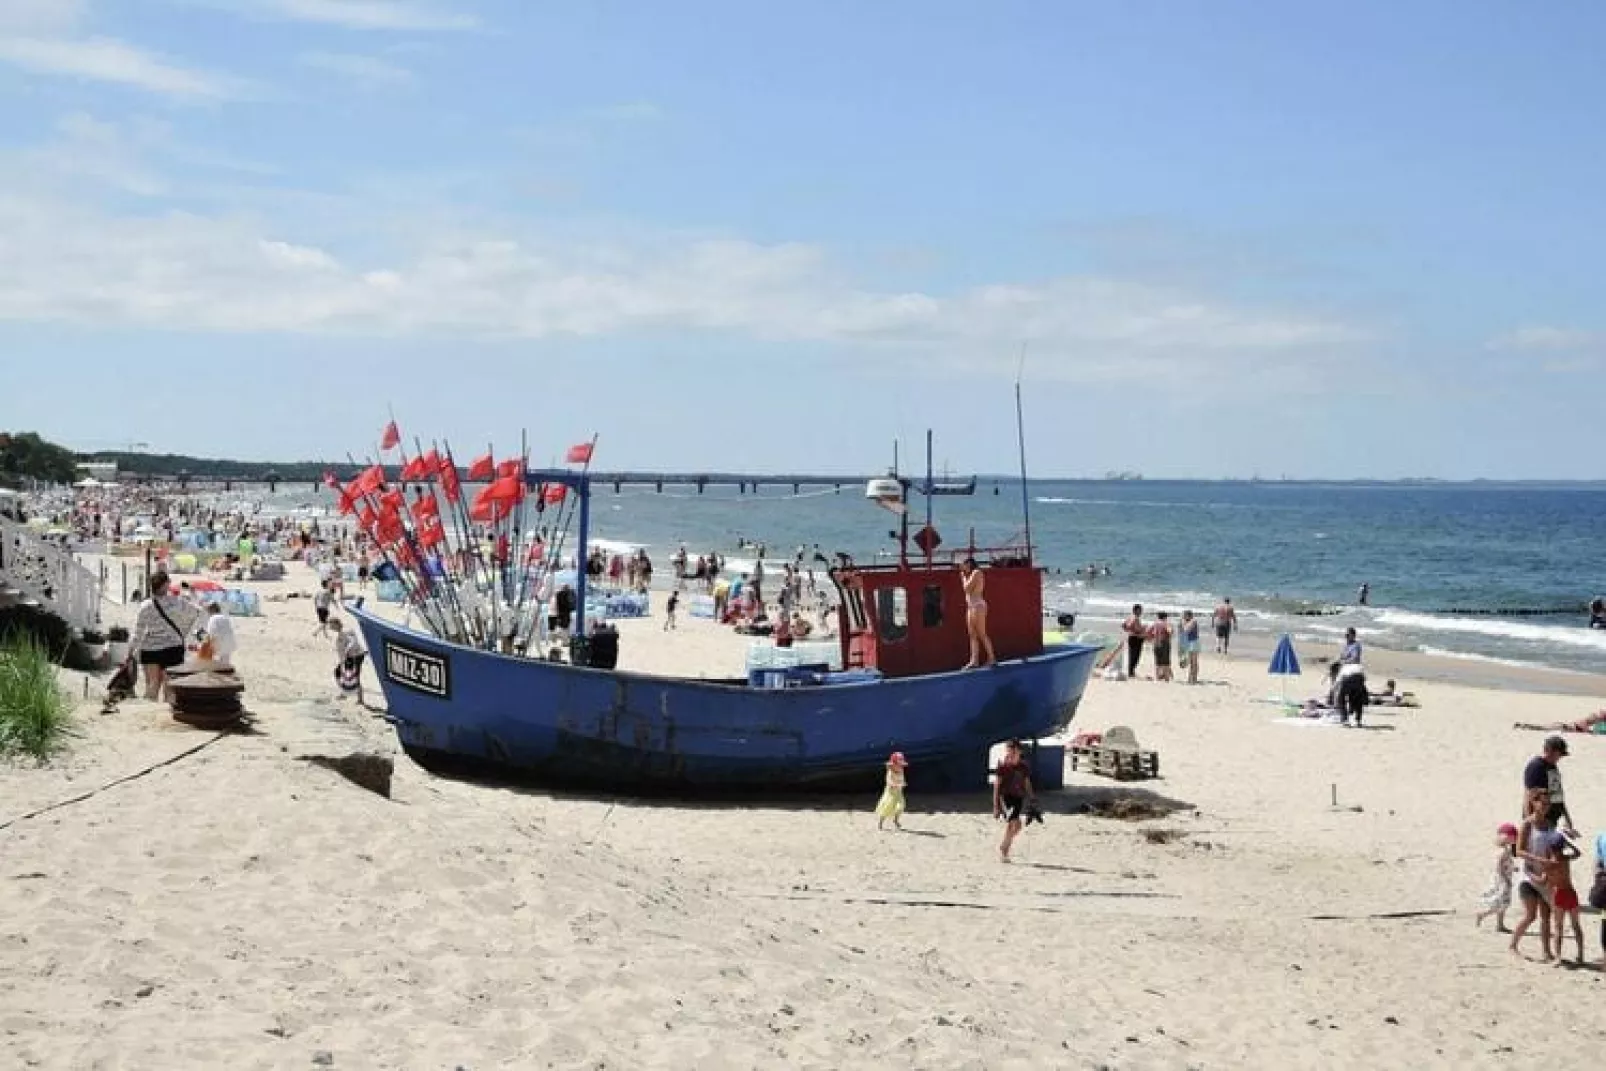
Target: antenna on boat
[[1020, 435]]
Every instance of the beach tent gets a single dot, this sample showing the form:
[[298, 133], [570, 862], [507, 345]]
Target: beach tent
[[1284, 664]]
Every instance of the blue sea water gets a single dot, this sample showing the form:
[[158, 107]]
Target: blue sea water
[[1281, 550]]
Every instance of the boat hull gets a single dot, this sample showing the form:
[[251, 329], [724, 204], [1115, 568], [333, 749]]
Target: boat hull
[[563, 724]]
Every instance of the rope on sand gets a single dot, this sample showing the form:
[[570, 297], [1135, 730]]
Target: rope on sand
[[113, 784]]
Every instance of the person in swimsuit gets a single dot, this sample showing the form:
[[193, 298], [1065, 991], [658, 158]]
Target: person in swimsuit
[[976, 615], [1189, 645], [1563, 894], [1225, 620], [1136, 633], [1160, 638]]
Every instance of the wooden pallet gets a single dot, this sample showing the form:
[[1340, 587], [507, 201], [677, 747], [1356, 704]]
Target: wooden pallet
[[1117, 763], [1116, 755]]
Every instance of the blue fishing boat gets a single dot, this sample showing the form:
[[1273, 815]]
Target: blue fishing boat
[[903, 687]]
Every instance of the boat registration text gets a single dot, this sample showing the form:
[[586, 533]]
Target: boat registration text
[[418, 670]]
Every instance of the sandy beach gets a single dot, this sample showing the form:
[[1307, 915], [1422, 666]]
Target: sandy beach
[[242, 908]]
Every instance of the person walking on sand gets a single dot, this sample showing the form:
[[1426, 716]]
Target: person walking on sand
[[1543, 773], [349, 656], [669, 610], [1531, 887], [1012, 789], [891, 804], [1160, 641], [981, 644], [1496, 899], [161, 627], [1597, 891], [1188, 645], [1225, 620], [1136, 633], [320, 606], [1563, 896]]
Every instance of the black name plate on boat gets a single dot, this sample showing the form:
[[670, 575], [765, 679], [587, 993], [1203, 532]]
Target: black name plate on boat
[[418, 670]]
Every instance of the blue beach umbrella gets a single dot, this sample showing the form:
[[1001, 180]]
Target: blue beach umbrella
[[1284, 664]]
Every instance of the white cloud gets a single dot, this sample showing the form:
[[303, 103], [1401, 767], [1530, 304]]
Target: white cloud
[[105, 59], [1544, 339], [1571, 365], [87, 149], [65, 258], [369, 72], [366, 14], [40, 16]]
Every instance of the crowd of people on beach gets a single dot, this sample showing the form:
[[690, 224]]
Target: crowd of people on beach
[[1160, 636], [1536, 857]]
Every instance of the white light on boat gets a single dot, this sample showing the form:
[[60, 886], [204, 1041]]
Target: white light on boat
[[884, 489]]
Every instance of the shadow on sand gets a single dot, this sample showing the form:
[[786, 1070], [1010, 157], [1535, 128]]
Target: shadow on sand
[[1119, 800]]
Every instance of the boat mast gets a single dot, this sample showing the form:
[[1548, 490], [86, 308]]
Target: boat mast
[[1020, 435], [930, 491]]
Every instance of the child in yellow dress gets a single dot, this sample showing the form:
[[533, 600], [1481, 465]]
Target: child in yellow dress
[[891, 805]]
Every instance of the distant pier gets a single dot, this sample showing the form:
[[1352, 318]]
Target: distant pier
[[743, 482]]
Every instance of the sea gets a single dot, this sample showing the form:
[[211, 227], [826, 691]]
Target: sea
[[1485, 572]]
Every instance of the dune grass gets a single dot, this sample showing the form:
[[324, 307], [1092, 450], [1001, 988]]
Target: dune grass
[[34, 712]]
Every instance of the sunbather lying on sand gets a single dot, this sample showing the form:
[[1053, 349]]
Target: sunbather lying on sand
[[1389, 697], [1595, 723]]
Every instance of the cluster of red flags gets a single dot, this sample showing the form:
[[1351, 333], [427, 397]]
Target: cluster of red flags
[[380, 510]]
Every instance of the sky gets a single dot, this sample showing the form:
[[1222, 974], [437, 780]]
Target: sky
[[1325, 239]]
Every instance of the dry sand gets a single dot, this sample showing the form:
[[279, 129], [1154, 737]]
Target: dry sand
[[241, 909]]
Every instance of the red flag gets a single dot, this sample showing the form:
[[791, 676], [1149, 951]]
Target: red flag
[[431, 533], [513, 466], [329, 480], [430, 465], [391, 437], [365, 519], [449, 484], [371, 480], [413, 469], [391, 503], [388, 529], [487, 510], [483, 501], [424, 510], [481, 469], [579, 454], [506, 489], [346, 503], [553, 493]]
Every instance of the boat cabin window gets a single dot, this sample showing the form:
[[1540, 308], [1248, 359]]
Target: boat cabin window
[[892, 613], [931, 606], [853, 603]]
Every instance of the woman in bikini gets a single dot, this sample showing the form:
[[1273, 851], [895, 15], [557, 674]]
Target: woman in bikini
[[976, 614]]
